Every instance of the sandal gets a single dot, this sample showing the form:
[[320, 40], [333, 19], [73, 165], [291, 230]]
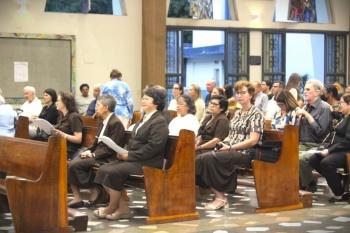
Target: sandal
[[117, 215], [100, 213], [221, 203]]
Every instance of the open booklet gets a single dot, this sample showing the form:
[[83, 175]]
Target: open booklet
[[43, 125], [111, 144]]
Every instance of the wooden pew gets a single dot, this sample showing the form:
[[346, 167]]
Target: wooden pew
[[22, 127], [36, 183], [89, 134], [89, 121], [277, 184], [171, 191]]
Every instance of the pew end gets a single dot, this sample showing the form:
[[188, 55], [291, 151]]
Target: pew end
[[171, 191], [277, 184]]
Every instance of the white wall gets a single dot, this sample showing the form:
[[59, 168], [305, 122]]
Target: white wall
[[103, 42]]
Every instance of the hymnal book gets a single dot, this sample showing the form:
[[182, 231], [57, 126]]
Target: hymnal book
[[43, 125], [111, 144]]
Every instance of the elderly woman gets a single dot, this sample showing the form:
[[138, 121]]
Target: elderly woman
[[70, 124], [332, 157], [185, 116], [146, 148], [216, 169], [80, 170], [7, 119], [287, 114], [215, 126], [195, 92], [177, 91]]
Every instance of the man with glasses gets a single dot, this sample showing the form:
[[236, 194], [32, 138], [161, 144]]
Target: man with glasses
[[272, 107]]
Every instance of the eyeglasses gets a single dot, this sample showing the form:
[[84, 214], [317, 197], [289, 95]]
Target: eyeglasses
[[176, 88], [214, 103]]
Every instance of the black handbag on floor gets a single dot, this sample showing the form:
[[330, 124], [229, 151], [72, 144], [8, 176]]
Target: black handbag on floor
[[269, 151]]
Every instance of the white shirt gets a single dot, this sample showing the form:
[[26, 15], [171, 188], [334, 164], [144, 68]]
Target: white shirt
[[272, 109], [105, 121], [188, 122], [83, 103], [172, 105], [31, 109]]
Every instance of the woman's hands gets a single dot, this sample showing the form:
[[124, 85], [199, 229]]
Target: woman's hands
[[122, 156]]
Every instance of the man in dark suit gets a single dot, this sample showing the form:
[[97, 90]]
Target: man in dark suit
[[146, 148], [80, 170]]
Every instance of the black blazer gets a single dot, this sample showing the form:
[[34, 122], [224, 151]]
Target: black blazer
[[148, 145], [50, 114], [115, 131], [341, 141]]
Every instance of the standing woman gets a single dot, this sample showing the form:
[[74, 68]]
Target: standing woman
[[216, 169], [195, 92], [293, 85], [177, 91], [328, 160], [70, 124], [215, 126], [121, 92], [146, 148]]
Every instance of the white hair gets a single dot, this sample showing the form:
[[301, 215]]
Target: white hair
[[29, 88], [2, 100], [316, 84]]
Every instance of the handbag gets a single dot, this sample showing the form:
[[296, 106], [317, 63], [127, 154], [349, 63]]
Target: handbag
[[269, 151]]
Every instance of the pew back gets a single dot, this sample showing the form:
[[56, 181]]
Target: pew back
[[22, 127]]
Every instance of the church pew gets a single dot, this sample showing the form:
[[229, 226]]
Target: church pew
[[89, 121], [22, 127], [277, 184], [36, 183]]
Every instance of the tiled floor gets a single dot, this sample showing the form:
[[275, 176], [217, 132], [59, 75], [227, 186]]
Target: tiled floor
[[239, 217]]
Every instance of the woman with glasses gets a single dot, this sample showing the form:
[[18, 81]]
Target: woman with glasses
[[177, 91], [215, 126], [185, 116], [287, 110], [216, 169], [328, 160]]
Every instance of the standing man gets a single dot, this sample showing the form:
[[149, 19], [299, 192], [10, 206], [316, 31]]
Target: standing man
[[315, 122], [210, 86], [265, 87], [261, 98], [84, 99]]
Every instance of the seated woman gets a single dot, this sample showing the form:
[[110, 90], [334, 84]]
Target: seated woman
[[146, 148], [7, 119], [80, 169], [195, 92], [185, 116], [70, 124], [332, 157], [287, 114], [215, 126], [177, 91], [216, 169], [49, 113]]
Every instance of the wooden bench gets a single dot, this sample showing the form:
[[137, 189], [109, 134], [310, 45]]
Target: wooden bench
[[277, 184], [22, 127], [36, 183], [89, 121]]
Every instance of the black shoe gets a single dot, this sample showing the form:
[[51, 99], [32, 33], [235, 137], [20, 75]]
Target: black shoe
[[343, 198], [76, 205]]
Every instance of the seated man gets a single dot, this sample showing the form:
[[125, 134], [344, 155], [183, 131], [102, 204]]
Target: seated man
[[32, 107], [80, 170], [315, 122], [84, 99]]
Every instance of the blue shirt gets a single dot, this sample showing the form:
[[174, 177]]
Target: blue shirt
[[121, 93], [7, 120]]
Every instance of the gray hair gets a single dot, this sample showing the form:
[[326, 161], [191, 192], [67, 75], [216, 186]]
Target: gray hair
[[316, 84], [29, 88], [108, 101]]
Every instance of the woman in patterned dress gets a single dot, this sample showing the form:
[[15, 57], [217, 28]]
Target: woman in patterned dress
[[216, 169]]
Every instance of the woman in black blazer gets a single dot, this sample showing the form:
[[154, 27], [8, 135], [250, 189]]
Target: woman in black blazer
[[146, 148], [328, 160]]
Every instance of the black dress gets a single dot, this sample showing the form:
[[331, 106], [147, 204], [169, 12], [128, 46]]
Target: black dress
[[50, 114]]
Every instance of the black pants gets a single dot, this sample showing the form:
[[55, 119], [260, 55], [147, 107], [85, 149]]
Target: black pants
[[327, 167]]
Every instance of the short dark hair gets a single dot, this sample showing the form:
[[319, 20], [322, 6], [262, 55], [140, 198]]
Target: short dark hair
[[268, 83], [84, 85], [69, 101], [51, 92], [181, 88], [189, 102], [223, 103], [115, 74], [331, 89], [158, 93], [108, 101]]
